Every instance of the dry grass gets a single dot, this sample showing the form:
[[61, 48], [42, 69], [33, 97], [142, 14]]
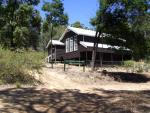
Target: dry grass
[[14, 66]]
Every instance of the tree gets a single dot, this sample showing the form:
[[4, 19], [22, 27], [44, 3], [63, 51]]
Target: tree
[[18, 17], [118, 18], [97, 22], [21, 31], [55, 13], [77, 24], [1, 14], [55, 17], [141, 29], [57, 32], [35, 29]]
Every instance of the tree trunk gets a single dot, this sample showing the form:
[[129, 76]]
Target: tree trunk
[[13, 17], [51, 45], [95, 50]]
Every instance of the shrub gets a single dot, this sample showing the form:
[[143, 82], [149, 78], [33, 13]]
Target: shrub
[[18, 85], [15, 66], [129, 63], [140, 69]]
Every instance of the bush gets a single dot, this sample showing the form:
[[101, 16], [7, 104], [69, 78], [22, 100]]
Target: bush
[[18, 85], [129, 63], [138, 67], [15, 66]]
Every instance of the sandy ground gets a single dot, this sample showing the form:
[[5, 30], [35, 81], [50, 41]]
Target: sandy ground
[[74, 91], [75, 78]]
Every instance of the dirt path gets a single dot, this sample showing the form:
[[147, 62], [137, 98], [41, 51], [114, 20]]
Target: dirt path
[[57, 79], [52, 79]]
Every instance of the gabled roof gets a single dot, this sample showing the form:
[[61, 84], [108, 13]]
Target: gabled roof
[[85, 32], [55, 42], [80, 31], [105, 46]]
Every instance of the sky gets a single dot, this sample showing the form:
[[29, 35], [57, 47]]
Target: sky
[[77, 10]]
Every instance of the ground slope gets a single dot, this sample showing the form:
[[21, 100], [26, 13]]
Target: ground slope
[[76, 92]]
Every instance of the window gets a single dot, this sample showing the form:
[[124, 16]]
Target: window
[[67, 45], [75, 44], [71, 44]]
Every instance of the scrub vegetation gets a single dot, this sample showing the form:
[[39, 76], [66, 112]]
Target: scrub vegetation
[[15, 66]]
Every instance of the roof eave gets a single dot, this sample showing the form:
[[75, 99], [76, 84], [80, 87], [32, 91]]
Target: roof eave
[[53, 44], [62, 36], [48, 44]]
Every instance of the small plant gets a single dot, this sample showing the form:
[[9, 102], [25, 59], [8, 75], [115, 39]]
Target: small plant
[[129, 63], [18, 85], [146, 67], [140, 70]]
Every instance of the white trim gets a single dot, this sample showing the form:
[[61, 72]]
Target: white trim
[[83, 44], [105, 46], [55, 42]]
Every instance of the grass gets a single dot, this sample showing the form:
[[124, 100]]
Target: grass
[[129, 63], [15, 66], [138, 67]]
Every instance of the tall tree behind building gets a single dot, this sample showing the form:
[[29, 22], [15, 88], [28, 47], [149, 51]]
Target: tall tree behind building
[[119, 18], [19, 18], [77, 24], [55, 17], [55, 13]]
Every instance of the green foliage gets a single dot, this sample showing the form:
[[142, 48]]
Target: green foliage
[[16, 3], [18, 85], [21, 35], [19, 24], [55, 13], [129, 63], [46, 34], [126, 19], [58, 31], [23, 15], [137, 67], [77, 24], [140, 69], [15, 66], [56, 18]]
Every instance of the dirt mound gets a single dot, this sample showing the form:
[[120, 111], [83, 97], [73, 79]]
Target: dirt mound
[[89, 78]]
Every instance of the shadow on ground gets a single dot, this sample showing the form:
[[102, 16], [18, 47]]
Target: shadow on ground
[[30, 100], [129, 77]]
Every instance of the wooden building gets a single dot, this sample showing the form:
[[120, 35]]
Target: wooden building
[[77, 44]]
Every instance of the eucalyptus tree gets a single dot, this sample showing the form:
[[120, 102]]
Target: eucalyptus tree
[[78, 24], [55, 16], [119, 17], [55, 13], [18, 16]]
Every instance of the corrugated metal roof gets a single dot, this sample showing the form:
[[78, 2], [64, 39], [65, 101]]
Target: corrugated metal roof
[[105, 46], [55, 42], [80, 31]]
